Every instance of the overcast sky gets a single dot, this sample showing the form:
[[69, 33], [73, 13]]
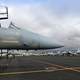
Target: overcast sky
[[57, 19]]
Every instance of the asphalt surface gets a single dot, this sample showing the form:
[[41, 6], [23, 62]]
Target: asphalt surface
[[40, 68]]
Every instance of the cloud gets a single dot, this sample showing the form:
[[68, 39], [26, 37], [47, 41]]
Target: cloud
[[43, 20]]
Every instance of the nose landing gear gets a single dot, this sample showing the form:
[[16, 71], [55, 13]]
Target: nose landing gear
[[9, 55], [6, 54]]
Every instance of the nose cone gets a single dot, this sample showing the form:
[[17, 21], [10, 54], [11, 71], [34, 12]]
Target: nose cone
[[51, 46], [54, 45], [48, 44]]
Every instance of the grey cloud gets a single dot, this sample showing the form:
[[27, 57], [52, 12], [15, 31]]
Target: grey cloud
[[41, 20]]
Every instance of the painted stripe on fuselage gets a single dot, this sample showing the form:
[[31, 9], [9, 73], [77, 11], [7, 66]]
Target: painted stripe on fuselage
[[5, 41]]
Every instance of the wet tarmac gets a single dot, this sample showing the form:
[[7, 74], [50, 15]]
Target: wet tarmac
[[40, 68]]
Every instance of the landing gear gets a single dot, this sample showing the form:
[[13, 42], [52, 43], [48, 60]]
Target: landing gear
[[7, 55], [11, 56], [1, 54]]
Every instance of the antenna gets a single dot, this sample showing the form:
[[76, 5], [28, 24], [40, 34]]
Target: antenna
[[12, 25]]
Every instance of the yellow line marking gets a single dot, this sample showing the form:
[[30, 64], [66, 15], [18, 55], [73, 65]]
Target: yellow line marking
[[76, 67], [72, 69], [59, 66], [49, 64], [38, 71], [28, 72]]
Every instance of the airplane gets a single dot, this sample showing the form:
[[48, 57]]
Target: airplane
[[14, 37]]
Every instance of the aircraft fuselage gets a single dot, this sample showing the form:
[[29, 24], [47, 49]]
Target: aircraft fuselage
[[22, 39]]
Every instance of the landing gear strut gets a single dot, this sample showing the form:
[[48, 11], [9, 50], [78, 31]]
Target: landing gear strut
[[8, 54], [1, 54]]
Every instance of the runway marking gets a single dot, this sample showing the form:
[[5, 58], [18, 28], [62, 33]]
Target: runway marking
[[28, 72], [58, 66], [37, 71], [72, 69], [76, 67], [49, 63]]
